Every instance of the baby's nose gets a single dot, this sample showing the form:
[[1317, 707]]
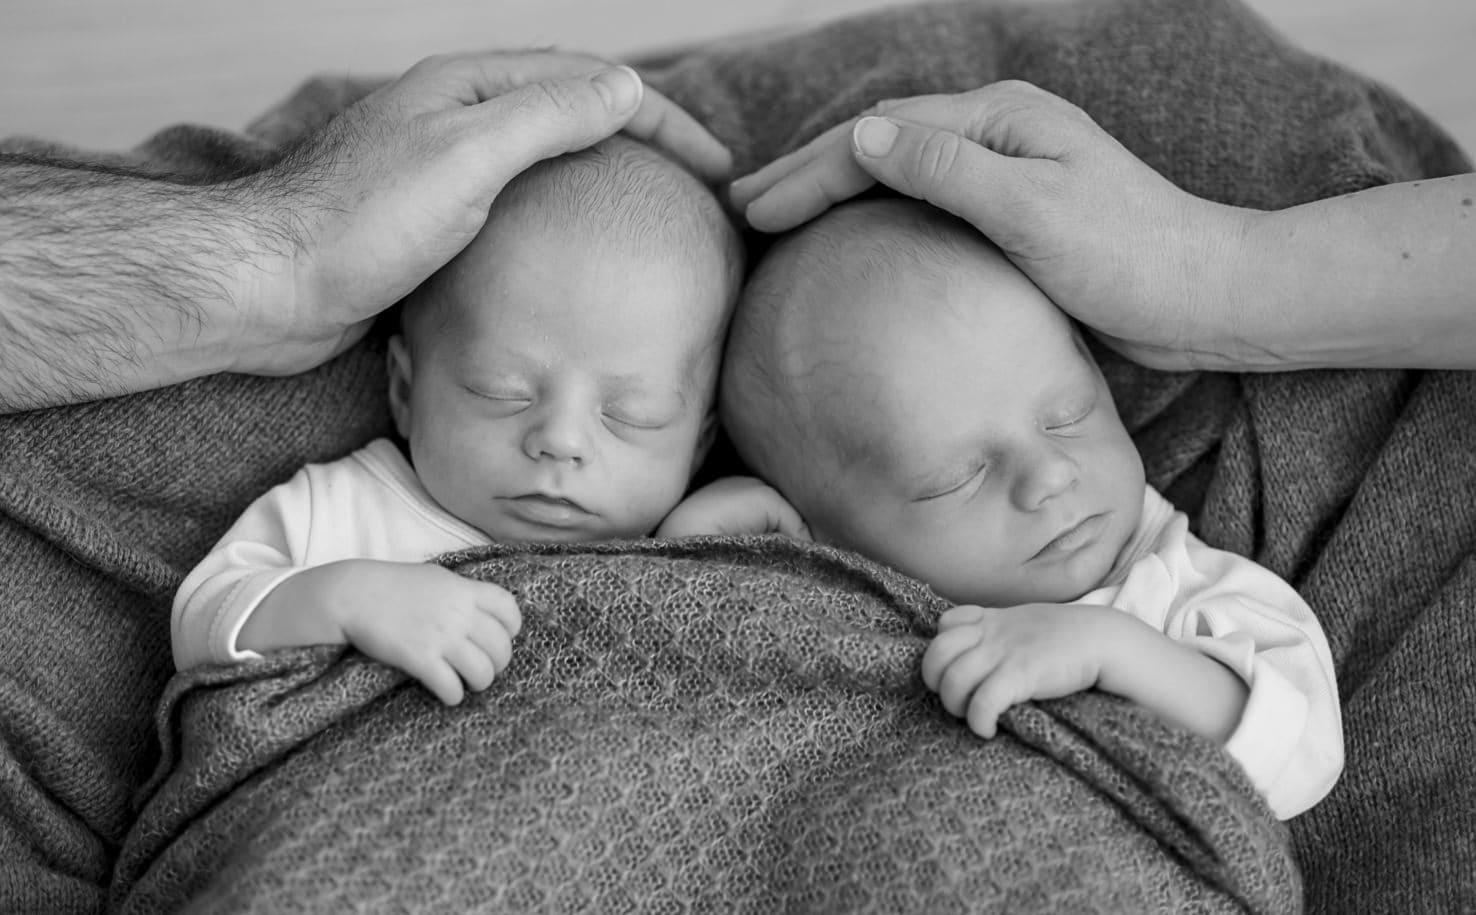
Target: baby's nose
[[1048, 473], [559, 435]]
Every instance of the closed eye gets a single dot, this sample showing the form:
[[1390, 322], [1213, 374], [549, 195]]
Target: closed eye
[[975, 477], [1067, 426], [516, 400], [646, 423]]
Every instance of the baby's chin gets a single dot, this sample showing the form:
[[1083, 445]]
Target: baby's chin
[[1062, 584]]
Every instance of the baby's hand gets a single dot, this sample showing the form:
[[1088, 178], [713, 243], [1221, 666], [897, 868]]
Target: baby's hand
[[986, 659], [734, 505], [450, 632]]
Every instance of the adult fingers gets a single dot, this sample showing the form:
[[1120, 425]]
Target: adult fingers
[[664, 123], [788, 186], [1015, 120], [952, 172], [546, 119], [451, 81], [827, 152]]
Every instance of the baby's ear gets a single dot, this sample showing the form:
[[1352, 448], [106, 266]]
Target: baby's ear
[[398, 367]]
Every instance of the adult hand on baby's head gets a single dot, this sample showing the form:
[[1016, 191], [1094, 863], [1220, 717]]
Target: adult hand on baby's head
[[1110, 240], [394, 187]]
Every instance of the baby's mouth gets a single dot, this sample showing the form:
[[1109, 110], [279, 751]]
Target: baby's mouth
[[1074, 538], [548, 510]]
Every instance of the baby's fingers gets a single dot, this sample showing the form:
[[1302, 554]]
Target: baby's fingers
[[493, 641], [439, 677], [968, 673], [496, 602], [962, 615], [473, 665], [943, 651], [989, 700]]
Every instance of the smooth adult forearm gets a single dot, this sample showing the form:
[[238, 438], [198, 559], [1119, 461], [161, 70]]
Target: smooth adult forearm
[[1383, 278], [112, 283]]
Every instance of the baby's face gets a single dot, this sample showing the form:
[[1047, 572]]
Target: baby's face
[[994, 465], [560, 398]]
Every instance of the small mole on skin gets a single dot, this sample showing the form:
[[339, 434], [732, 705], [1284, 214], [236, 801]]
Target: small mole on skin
[[1465, 201], [1404, 254]]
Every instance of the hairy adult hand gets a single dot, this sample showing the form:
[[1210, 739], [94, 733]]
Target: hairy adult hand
[[1110, 240], [394, 187]]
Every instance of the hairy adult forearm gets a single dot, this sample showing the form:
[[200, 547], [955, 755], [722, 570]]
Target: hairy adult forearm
[[112, 283]]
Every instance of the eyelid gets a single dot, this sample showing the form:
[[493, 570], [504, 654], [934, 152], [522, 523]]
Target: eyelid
[[634, 423], [511, 395], [1076, 417], [975, 474]]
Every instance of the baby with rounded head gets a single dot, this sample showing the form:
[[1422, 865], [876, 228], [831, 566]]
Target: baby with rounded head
[[918, 400], [555, 381]]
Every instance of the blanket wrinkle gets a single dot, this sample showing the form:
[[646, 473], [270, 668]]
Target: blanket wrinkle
[[800, 724], [814, 773]]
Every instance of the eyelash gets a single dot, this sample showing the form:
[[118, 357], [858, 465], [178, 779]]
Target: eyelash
[[976, 475], [1068, 424], [643, 425], [522, 401], [503, 398]]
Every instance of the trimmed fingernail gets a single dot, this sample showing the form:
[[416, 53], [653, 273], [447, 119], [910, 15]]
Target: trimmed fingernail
[[874, 136], [620, 87]]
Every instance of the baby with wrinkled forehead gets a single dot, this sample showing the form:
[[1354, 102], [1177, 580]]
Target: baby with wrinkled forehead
[[918, 400]]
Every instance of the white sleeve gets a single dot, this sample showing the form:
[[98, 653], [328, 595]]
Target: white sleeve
[[1290, 737], [266, 545]]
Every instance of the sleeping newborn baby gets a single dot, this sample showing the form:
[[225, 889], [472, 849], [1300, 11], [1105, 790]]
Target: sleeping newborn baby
[[917, 399], [555, 381]]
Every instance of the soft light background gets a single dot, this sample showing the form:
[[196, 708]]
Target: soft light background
[[106, 73]]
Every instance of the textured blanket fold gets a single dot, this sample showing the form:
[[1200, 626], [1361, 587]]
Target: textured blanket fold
[[1360, 488], [720, 725]]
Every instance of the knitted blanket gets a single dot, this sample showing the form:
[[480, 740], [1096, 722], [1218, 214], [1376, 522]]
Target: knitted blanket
[[720, 725], [798, 745]]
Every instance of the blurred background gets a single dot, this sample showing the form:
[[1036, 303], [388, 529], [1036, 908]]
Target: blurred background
[[104, 74]]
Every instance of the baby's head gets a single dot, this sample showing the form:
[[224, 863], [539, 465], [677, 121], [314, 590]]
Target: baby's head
[[556, 380], [920, 401]]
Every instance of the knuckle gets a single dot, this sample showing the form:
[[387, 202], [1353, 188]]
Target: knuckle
[[938, 155], [431, 63], [547, 97], [1025, 91]]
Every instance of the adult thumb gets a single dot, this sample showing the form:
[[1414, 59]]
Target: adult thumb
[[945, 169], [552, 117]]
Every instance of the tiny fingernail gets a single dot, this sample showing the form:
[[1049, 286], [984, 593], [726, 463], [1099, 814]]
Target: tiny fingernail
[[620, 87], [874, 136]]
